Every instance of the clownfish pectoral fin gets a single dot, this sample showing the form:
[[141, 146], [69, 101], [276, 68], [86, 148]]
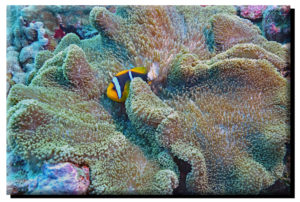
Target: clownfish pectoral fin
[[126, 90], [149, 82], [140, 70]]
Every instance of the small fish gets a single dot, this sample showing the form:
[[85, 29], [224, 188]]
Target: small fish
[[118, 88]]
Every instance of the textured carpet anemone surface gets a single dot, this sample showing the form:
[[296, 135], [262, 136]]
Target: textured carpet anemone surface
[[217, 102]]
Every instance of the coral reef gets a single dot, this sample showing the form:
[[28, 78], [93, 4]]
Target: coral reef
[[26, 40], [217, 103], [252, 12], [273, 21], [31, 50], [60, 20], [15, 73], [276, 23], [84, 32], [20, 174], [31, 29], [51, 14]]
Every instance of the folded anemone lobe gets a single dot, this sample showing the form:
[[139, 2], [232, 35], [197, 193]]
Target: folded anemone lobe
[[41, 58], [251, 51], [237, 114], [171, 134], [105, 21], [170, 131], [142, 105], [69, 39], [69, 69], [80, 73], [186, 67], [230, 30]]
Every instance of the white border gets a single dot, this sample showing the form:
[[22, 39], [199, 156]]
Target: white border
[[153, 2], [3, 3]]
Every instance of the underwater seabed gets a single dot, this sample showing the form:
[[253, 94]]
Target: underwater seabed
[[213, 120]]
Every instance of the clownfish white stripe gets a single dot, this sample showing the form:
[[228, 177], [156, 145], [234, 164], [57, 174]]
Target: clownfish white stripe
[[130, 75], [117, 86]]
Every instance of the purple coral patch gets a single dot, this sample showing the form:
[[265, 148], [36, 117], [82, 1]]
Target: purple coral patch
[[62, 179]]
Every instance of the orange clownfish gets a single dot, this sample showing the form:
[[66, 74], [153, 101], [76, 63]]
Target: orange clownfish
[[118, 88]]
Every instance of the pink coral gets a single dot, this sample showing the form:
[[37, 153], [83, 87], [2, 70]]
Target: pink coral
[[274, 29], [252, 12]]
